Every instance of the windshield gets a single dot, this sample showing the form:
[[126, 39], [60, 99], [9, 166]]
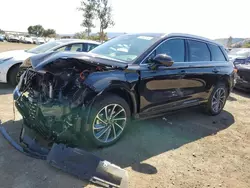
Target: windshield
[[126, 47], [44, 47], [238, 52]]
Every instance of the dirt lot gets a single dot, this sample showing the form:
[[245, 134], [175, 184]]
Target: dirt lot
[[6, 46], [184, 149]]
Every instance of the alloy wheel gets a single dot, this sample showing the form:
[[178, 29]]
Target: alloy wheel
[[109, 123], [218, 99]]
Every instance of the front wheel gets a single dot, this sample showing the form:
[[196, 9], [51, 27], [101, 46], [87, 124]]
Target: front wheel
[[13, 75], [108, 120], [217, 99]]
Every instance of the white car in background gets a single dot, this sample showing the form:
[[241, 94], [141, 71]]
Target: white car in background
[[28, 40], [40, 40], [34, 40], [12, 38], [10, 61]]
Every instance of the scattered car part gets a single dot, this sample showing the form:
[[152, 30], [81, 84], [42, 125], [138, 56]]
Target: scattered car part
[[33, 150], [78, 162], [87, 166]]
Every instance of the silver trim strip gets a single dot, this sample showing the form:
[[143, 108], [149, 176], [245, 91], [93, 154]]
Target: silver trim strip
[[172, 38]]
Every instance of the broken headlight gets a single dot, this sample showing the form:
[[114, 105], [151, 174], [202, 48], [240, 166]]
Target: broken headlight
[[26, 63]]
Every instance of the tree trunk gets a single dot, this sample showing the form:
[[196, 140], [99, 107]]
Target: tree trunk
[[88, 31], [100, 34]]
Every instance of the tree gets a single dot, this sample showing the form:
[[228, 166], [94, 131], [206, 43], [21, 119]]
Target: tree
[[2, 31], [104, 14], [246, 45], [36, 30], [96, 37], [49, 33], [229, 42], [88, 9], [65, 37], [80, 35]]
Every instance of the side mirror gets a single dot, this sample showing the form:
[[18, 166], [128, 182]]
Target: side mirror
[[163, 60]]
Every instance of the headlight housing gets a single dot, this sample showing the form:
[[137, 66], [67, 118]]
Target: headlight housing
[[26, 63]]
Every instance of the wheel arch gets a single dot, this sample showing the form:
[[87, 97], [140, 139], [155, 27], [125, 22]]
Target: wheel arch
[[226, 80], [10, 69], [124, 93]]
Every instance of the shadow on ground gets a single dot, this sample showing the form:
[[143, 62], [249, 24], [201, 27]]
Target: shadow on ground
[[148, 138], [242, 93], [6, 89]]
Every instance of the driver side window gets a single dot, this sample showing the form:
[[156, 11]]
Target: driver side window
[[174, 48]]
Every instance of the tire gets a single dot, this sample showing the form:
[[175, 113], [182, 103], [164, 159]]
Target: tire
[[109, 101], [213, 107], [20, 71], [12, 76]]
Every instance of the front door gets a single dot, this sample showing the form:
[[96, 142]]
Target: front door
[[160, 89]]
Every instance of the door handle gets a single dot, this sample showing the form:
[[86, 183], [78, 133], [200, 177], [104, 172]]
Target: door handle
[[182, 72], [215, 70]]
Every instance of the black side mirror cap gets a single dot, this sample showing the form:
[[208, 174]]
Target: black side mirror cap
[[161, 60]]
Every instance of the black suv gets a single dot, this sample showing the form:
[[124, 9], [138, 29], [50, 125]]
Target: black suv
[[70, 97]]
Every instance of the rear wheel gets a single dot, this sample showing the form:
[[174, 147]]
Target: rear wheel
[[108, 120], [217, 99]]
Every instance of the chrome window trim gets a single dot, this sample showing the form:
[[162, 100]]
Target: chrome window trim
[[172, 38]]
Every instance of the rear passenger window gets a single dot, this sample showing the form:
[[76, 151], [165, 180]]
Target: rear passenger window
[[174, 48], [198, 51], [217, 54]]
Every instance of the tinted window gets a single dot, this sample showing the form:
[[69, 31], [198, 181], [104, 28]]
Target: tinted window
[[90, 47], [198, 51], [75, 48], [174, 48], [217, 54], [45, 47], [71, 48]]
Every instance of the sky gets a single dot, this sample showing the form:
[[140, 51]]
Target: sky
[[207, 18]]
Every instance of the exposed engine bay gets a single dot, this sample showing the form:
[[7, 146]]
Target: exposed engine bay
[[53, 99]]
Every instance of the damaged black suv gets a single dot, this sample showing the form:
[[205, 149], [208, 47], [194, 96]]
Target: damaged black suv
[[70, 97]]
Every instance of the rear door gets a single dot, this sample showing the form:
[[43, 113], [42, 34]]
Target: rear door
[[200, 74]]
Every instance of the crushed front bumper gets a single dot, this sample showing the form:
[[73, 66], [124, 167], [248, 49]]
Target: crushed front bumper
[[27, 145], [75, 161]]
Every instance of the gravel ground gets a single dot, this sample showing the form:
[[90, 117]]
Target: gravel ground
[[184, 149]]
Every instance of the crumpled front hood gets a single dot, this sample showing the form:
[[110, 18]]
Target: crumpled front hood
[[38, 62], [16, 54]]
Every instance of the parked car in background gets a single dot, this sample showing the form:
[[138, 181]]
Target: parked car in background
[[34, 39], [10, 61], [2, 38], [239, 55], [243, 76], [28, 40], [22, 39], [92, 96], [40, 40], [13, 38]]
